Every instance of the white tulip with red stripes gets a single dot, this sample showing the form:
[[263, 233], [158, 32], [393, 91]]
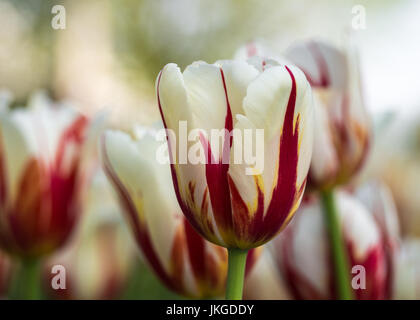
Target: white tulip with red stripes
[[44, 169], [342, 124], [223, 203]]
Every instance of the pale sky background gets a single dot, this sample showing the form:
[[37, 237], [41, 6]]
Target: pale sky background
[[390, 51]]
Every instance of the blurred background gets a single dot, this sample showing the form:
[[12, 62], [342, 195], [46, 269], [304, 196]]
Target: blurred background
[[110, 52]]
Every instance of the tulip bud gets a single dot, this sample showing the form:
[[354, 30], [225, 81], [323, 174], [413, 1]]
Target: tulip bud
[[42, 177], [304, 258], [100, 258], [342, 125], [229, 200], [183, 260]]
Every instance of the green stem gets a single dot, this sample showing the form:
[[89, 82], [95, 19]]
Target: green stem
[[27, 282], [339, 252], [236, 273]]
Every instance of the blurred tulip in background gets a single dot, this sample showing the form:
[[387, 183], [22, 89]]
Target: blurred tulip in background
[[378, 199], [342, 125], [43, 175], [303, 256], [99, 261], [180, 257]]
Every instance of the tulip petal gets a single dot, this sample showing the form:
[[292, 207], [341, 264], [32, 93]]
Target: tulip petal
[[199, 78], [207, 96], [237, 75], [188, 179], [16, 151], [152, 219], [171, 91], [278, 194], [323, 65], [267, 98]]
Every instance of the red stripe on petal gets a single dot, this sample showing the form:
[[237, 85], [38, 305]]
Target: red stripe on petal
[[66, 180], [374, 263], [196, 251], [217, 174], [324, 80], [284, 193], [74, 134]]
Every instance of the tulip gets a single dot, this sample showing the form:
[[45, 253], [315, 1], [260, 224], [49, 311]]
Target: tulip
[[378, 199], [182, 259], [225, 202], [342, 126], [100, 259], [342, 132], [218, 196], [303, 256], [42, 177]]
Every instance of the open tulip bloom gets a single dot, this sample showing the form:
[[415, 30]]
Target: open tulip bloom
[[184, 261], [232, 202], [42, 177]]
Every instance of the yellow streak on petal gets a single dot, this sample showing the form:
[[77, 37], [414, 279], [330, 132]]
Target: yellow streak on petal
[[291, 213], [259, 184], [300, 136], [195, 208], [139, 204]]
